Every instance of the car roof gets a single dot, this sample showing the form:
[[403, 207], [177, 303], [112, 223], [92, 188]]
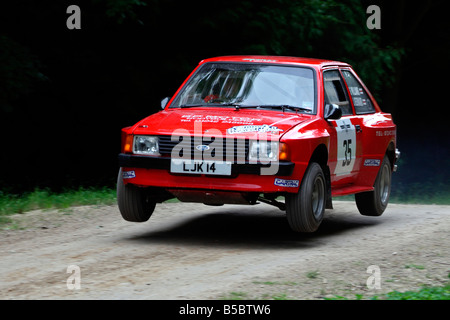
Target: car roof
[[317, 63]]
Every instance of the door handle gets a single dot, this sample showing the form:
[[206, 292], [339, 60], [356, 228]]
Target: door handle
[[358, 128]]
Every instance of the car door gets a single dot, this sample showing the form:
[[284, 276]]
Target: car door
[[364, 114], [345, 153]]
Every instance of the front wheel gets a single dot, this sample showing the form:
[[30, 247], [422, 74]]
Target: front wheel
[[134, 203], [305, 210], [373, 203]]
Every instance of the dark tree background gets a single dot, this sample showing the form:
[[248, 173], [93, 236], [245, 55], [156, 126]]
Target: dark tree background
[[65, 94]]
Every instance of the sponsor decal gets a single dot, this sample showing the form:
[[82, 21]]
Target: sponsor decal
[[358, 102], [385, 133], [371, 163], [128, 174], [219, 119], [354, 91], [254, 128], [258, 60], [287, 183]]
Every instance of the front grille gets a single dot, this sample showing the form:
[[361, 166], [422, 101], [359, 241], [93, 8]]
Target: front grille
[[232, 149]]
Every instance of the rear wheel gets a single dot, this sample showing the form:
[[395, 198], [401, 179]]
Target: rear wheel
[[373, 203], [134, 203], [305, 210]]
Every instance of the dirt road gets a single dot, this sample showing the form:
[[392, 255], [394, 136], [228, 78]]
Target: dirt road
[[190, 251]]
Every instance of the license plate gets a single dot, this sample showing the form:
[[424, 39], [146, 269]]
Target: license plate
[[200, 167]]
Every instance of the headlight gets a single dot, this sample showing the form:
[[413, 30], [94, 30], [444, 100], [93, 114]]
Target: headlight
[[146, 145], [263, 151]]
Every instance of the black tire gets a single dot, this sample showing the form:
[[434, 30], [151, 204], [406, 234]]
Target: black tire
[[305, 210], [373, 203], [134, 202]]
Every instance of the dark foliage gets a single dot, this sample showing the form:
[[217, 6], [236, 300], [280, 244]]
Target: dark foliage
[[65, 94]]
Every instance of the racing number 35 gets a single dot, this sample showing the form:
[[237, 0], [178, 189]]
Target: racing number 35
[[346, 153]]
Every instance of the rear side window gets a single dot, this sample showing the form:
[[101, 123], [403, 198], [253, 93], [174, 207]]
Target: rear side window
[[335, 93], [360, 98]]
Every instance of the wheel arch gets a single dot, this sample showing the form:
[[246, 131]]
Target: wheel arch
[[390, 153], [320, 156]]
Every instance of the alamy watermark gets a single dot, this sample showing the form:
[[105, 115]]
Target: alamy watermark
[[74, 20], [74, 280], [374, 280], [374, 20], [212, 147]]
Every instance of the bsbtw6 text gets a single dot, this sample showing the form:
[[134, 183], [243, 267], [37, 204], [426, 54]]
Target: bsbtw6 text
[[246, 309]]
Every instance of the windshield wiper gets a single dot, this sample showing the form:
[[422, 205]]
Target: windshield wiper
[[281, 106], [191, 105], [239, 106]]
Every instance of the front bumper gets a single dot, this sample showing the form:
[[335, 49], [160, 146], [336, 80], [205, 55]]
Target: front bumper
[[148, 162], [149, 171]]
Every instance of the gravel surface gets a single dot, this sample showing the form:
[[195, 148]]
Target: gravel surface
[[192, 251]]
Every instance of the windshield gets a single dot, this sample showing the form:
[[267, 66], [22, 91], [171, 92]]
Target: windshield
[[249, 85]]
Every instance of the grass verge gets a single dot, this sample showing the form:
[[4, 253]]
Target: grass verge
[[424, 293], [45, 199]]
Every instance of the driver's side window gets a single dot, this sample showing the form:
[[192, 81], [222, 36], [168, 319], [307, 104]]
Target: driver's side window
[[334, 91]]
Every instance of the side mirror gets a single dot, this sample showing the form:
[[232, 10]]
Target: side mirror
[[164, 102], [332, 112]]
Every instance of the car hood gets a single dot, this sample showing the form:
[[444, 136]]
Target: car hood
[[241, 123]]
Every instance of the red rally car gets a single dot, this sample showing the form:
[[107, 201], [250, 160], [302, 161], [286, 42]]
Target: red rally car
[[249, 129]]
